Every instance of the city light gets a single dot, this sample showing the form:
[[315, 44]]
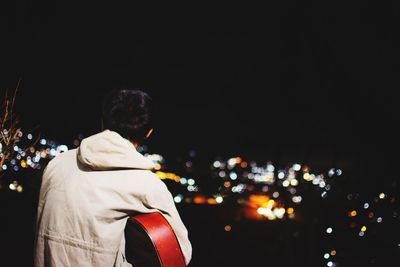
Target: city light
[[263, 191]]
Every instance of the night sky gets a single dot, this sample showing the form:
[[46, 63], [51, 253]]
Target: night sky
[[300, 81]]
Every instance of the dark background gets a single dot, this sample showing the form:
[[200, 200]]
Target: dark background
[[296, 81], [307, 77]]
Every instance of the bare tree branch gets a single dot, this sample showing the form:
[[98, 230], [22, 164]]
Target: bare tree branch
[[9, 128]]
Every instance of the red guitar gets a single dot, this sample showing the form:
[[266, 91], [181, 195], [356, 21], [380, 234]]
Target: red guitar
[[151, 242]]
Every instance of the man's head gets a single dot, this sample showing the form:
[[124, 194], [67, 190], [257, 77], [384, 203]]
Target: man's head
[[129, 113]]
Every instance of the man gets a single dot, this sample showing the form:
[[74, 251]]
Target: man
[[88, 193]]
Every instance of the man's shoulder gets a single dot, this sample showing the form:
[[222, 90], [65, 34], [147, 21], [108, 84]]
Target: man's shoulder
[[61, 158], [143, 174], [143, 178]]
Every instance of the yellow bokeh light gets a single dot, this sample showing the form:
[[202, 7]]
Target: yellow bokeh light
[[211, 201], [168, 175], [290, 211], [19, 188], [23, 164], [363, 229], [43, 154], [353, 213], [157, 166], [382, 195], [228, 228], [270, 203], [268, 177], [307, 177], [261, 200]]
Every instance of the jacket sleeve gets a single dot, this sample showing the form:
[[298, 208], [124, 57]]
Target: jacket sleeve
[[162, 200]]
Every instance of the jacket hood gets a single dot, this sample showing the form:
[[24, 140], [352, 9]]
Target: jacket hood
[[108, 150]]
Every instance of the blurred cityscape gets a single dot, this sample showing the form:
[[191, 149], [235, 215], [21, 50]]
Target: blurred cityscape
[[308, 210]]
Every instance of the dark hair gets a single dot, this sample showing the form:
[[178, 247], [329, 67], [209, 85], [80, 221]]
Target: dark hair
[[129, 113]]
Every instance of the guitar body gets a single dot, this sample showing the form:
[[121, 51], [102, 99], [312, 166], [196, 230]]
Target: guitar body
[[151, 242]]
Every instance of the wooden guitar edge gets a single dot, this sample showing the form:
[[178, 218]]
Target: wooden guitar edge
[[146, 220]]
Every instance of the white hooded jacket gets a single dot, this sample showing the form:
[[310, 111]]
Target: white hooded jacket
[[86, 197]]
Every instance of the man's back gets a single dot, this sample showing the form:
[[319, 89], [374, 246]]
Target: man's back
[[86, 197]]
